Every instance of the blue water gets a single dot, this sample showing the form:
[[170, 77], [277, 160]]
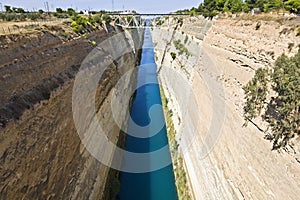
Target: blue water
[[159, 184]]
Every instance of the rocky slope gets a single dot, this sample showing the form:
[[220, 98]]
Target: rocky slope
[[225, 160], [41, 154]]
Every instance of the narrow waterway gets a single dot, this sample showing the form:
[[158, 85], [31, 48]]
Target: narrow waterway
[[158, 184]]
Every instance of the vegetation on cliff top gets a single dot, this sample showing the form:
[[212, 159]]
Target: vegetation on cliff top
[[282, 110], [19, 14], [210, 8]]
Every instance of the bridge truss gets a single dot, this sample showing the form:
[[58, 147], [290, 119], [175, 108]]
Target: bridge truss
[[135, 20]]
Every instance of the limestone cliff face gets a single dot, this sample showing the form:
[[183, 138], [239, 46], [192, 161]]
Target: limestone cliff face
[[41, 154], [225, 160]]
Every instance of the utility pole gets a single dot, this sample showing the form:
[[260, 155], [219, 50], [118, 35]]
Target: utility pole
[[47, 7], [112, 5], [1, 7]]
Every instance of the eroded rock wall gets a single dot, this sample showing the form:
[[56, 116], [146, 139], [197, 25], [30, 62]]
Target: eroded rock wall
[[41, 154], [225, 160]]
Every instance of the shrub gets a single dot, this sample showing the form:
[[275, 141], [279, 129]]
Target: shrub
[[81, 29], [181, 48], [80, 24], [180, 21], [186, 39], [193, 13], [91, 20], [75, 29], [22, 17], [290, 46], [106, 18], [61, 15], [30, 26], [33, 16], [257, 26], [159, 21], [74, 24], [10, 17], [173, 55], [98, 19], [94, 43]]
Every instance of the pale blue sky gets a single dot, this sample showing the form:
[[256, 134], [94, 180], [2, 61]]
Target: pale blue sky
[[150, 6]]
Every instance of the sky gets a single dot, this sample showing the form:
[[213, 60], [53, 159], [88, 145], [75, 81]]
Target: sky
[[141, 6]]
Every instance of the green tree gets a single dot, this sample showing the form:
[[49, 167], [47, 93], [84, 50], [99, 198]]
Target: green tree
[[71, 11], [14, 9], [283, 111], [7, 9], [255, 94], [59, 10], [200, 8], [210, 8], [233, 6], [193, 13], [292, 6], [236, 6], [267, 5], [250, 4], [286, 79], [20, 10], [220, 4]]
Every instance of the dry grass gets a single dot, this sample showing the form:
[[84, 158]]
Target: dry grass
[[281, 19], [274, 17], [7, 28]]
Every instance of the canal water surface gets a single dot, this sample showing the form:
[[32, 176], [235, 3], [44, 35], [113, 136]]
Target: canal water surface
[[158, 184]]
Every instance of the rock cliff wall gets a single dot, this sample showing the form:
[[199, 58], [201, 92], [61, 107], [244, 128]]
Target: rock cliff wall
[[225, 160], [41, 154]]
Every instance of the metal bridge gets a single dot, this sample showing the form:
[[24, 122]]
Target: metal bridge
[[137, 20]]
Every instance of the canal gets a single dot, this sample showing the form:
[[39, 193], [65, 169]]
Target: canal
[[158, 184]]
